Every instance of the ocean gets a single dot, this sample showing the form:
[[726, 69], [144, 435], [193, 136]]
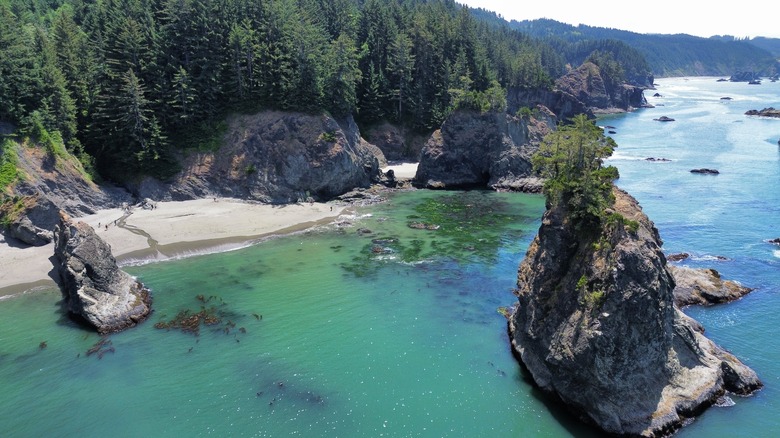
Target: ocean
[[370, 327]]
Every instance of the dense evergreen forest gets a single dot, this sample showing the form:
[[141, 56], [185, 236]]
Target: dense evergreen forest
[[667, 55], [123, 83]]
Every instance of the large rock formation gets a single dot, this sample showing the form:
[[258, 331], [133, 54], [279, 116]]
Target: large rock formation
[[484, 150], [275, 157], [597, 327], [94, 288], [563, 104], [587, 84]]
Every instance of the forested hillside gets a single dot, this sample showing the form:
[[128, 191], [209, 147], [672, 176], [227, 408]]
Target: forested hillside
[[129, 81], [667, 55]]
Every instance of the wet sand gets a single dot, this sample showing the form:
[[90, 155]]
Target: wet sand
[[170, 230]]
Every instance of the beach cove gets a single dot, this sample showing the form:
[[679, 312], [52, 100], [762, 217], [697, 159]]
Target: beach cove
[[373, 328]]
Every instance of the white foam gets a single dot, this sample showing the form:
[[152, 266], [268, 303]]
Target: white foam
[[776, 253], [708, 258]]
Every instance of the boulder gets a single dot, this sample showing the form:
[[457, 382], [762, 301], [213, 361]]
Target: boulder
[[597, 327], [93, 286], [24, 231], [664, 119], [484, 150], [704, 287]]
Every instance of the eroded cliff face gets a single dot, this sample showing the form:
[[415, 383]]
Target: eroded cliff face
[[275, 157], [597, 327], [46, 185], [484, 150], [92, 284], [587, 85]]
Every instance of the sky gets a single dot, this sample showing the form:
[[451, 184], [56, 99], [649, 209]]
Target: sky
[[693, 17]]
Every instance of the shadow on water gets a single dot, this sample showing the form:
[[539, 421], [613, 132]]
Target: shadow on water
[[558, 410]]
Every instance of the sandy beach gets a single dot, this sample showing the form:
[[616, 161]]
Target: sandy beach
[[171, 229], [402, 170]]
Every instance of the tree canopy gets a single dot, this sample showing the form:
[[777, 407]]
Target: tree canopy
[[572, 161], [130, 81]]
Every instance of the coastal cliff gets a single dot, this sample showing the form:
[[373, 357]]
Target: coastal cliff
[[491, 149], [93, 286], [588, 84], [46, 182], [275, 157], [596, 326]]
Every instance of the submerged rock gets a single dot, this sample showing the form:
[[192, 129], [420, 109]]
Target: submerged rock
[[706, 171], [94, 287], [597, 327]]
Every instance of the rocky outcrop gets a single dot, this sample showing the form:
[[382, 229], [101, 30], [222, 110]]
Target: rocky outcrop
[[596, 326], [705, 171], [704, 287], [563, 104], [484, 150], [766, 112], [275, 157], [94, 288], [587, 85], [49, 183], [744, 76]]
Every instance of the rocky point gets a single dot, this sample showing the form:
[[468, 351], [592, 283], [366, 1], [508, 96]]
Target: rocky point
[[93, 286], [597, 327]]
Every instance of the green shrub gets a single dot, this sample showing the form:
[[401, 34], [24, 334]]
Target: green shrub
[[582, 282], [594, 299], [8, 162], [525, 112], [329, 137]]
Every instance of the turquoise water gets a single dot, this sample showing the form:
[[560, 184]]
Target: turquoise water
[[375, 329]]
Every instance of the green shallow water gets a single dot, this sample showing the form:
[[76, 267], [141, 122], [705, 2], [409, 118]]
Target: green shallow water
[[368, 328]]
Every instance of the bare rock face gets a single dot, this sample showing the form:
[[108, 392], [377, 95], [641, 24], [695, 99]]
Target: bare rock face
[[587, 85], [51, 183], [275, 157], [484, 150], [704, 287], [94, 287], [597, 327]]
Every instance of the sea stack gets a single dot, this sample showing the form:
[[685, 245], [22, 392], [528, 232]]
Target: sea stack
[[597, 327], [93, 286]]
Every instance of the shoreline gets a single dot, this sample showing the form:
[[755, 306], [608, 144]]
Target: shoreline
[[171, 230]]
